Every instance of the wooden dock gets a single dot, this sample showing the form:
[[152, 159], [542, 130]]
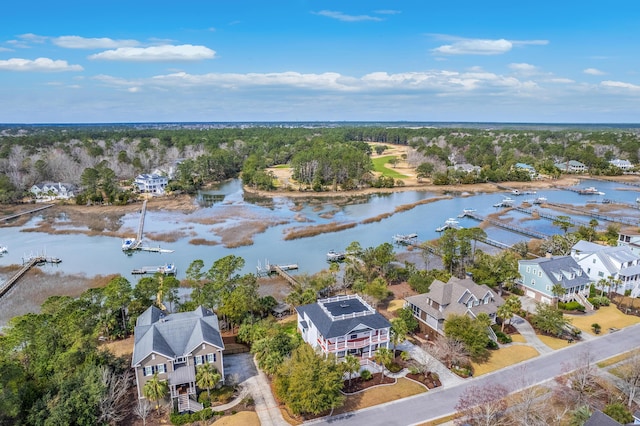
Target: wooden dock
[[623, 220], [281, 270], [534, 212], [13, 216], [31, 262], [141, 223], [509, 227]]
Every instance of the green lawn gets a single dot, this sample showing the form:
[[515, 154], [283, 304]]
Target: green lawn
[[379, 165]]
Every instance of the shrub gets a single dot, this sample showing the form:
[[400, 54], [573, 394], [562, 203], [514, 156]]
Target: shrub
[[405, 356], [414, 370], [503, 338], [596, 327], [182, 419], [492, 345], [394, 367], [366, 375], [204, 399], [571, 306], [435, 376], [598, 301]]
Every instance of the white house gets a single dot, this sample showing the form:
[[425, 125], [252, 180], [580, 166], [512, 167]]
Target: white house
[[52, 191], [631, 240], [614, 263], [622, 164], [152, 183], [572, 166], [343, 325], [466, 167]]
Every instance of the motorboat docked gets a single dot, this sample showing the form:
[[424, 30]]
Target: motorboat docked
[[506, 202], [166, 269], [590, 191], [405, 238], [516, 192], [450, 223], [129, 244], [335, 256], [540, 200], [3, 249], [466, 212]]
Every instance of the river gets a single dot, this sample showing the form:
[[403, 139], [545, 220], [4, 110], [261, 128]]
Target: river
[[101, 255]]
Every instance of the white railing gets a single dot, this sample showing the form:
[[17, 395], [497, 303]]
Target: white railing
[[355, 344]]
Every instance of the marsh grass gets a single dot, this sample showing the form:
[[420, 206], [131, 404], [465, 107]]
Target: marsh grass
[[203, 242], [312, 231]]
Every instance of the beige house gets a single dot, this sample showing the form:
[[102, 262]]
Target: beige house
[[173, 346], [459, 297]]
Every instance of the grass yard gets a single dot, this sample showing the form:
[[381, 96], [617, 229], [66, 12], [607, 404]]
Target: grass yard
[[243, 418], [504, 357], [394, 305], [607, 317], [518, 338], [120, 347], [381, 394], [615, 359], [290, 324], [553, 342], [379, 165]]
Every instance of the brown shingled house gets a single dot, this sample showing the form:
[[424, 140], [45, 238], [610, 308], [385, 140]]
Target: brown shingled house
[[460, 297]]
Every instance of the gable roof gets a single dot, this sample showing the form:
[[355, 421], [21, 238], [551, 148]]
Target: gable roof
[[333, 320], [598, 418], [174, 335], [453, 296], [607, 254], [560, 269]]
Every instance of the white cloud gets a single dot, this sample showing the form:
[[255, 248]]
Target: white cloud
[[133, 89], [593, 71], [77, 42], [33, 38], [560, 80], [523, 67], [461, 46], [387, 12], [184, 52], [40, 64], [347, 18], [5, 49], [619, 85]]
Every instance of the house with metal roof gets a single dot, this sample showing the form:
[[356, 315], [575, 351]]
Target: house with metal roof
[[571, 166], [622, 164], [527, 168], [619, 265], [631, 240], [173, 345], [538, 276], [456, 296], [48, 191], [343, 325]]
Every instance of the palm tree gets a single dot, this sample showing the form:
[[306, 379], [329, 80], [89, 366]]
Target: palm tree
[[504, 312], [399, 331], [155, 389], [562, 222], [351, 365], [206, 377], [558, 291], [384, 356]]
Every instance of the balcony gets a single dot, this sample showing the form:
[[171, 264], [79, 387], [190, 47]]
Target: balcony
[[363, 342]]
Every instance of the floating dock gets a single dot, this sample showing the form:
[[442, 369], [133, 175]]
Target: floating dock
[[281, 270], [513, 228], [623, 220], [534, 212], [406, 239], [168, 269]]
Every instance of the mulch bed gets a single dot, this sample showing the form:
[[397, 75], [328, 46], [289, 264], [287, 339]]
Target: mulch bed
[[425, 379], [357, 384]]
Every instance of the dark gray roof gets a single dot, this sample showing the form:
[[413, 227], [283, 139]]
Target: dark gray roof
[[174, 335], [345, 307], [598, 418], [560, 269], [330, 327]]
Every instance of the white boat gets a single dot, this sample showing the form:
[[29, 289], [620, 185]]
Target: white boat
[[466, 212], [516, 192], [3, 249], [450, 223], [335, 256], [540, 200], [590, 191], [405, 238], [168, 269], [129, 244], [638, 200], [530, 192], [506, 202]]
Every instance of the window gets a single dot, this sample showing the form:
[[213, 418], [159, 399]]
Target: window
[[353, 336], [548, 288], [148, 371], [211, 358], [199, 359], [601, 274], [588, 270], [528, 268], [162, 368], [539, 273], [594, 261], [533, 282]]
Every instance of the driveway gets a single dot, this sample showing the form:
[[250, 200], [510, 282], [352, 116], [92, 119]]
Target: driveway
[[241, 369], [441, 402]]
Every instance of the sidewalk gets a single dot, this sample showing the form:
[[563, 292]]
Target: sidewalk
[[447, 378], [525, 329]]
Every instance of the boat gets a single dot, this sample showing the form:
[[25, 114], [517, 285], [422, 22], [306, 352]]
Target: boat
[[638, 200], [466, 212], [129, 244], [450, 223], [506, 202], [335, 256], [168, 269], [590, 191], [405, 238], [516, 192], [3, 249], [530, 192], [540, 200]]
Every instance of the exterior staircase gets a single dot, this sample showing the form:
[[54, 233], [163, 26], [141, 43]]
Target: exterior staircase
[[187, 404], [587, 305]]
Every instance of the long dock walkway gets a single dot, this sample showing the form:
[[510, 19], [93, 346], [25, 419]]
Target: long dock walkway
[[6, 286], [280, 270], [513, 228], [623, 220], [141, 223], [13, 216], [537, 212]]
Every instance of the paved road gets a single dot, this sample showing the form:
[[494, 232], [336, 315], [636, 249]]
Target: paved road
[[440, 402]]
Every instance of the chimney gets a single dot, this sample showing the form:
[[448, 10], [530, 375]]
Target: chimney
[[548, 255]]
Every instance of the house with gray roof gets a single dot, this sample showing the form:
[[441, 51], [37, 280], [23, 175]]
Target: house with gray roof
[[618, 265], [456, 296], [571, 166], [621, 164], [172, 346], [151, 183], [343, 325], [631, 240], [47, 191], [538, 276]]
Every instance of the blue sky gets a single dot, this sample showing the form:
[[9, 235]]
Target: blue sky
[[234, 60]]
